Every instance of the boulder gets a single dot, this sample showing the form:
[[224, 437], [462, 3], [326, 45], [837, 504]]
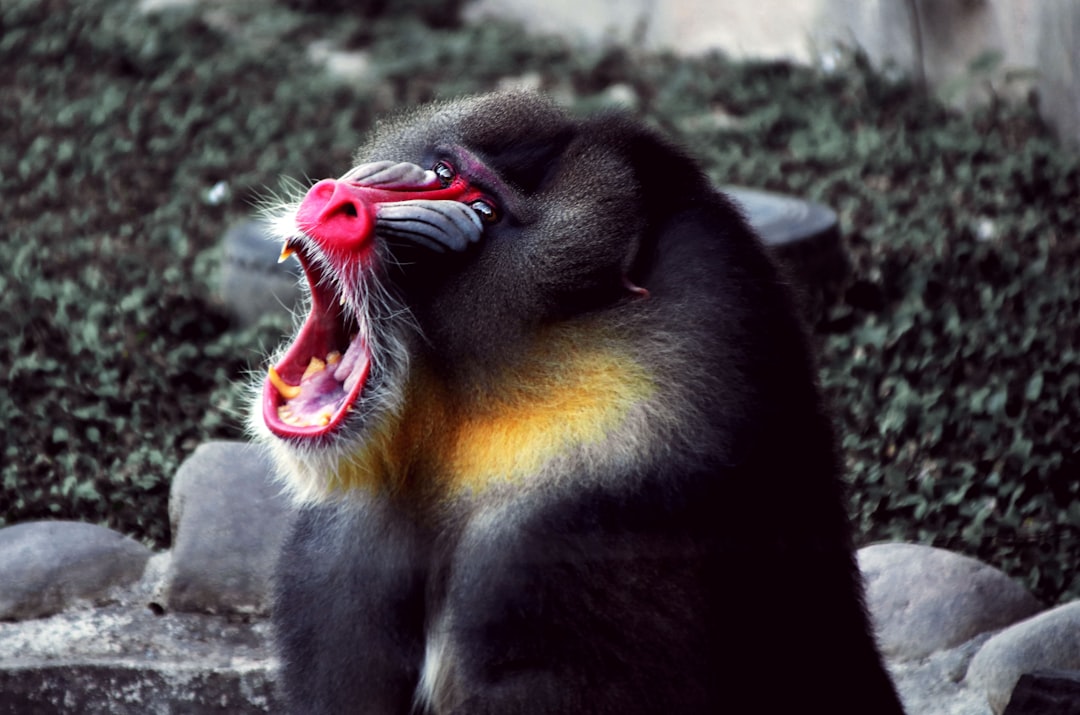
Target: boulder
[[923, 600], [252, 282], [49, 566], [1050, 640], [229, 518]]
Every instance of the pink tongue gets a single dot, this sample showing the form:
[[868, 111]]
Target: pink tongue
[[327, 386], [317, 392], [348, 361], [353, 364]]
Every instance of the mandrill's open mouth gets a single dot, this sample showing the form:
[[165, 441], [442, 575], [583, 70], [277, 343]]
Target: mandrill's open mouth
[[311, 391], [315, 385]]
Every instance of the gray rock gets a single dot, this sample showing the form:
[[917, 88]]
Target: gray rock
[[935, 685], [1046, 692], [252, 282], [228, 518], [804, 236], [48, 566], [1050, 640], [138, 688], [923, 599], [122, 658]]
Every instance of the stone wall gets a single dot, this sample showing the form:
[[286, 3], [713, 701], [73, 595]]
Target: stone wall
[[967, 50]]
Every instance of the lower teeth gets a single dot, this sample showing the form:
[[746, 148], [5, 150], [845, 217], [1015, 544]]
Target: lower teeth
[[309, 389]]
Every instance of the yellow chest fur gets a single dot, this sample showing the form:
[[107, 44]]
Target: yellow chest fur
[[559, 397]]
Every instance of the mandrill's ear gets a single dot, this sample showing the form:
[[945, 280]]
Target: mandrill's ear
[[685, 217], [602, 209]]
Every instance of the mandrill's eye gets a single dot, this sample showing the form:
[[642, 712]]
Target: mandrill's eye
[[485, 211], [445, 172]]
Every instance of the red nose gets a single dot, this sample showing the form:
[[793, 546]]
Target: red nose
[[338, 214]]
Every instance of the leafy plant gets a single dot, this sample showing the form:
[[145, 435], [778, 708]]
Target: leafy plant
[[951, 357]]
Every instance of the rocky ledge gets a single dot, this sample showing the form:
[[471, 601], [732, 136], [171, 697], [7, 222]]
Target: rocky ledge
[[92, 621]]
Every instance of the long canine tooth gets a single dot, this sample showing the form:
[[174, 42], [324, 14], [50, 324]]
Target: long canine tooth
[[341, 300], [314, 367], [286, 390], [286, 251], [333, 358]]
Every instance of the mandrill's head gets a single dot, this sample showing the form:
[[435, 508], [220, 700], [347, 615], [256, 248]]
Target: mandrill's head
[[490, 294]]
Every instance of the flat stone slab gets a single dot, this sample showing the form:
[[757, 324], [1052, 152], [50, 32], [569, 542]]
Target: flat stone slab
[[134, 687], [780, 219], [125, 659]]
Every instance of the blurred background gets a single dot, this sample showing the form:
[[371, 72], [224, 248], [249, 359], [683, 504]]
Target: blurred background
[[943, 133], [966, 51]]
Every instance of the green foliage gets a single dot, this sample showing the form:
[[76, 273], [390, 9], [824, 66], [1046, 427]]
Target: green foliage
[[952, 359]]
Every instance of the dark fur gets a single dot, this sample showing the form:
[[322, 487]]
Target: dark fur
[[713, 572]]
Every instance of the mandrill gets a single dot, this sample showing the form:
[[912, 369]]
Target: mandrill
[[554, 433]]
